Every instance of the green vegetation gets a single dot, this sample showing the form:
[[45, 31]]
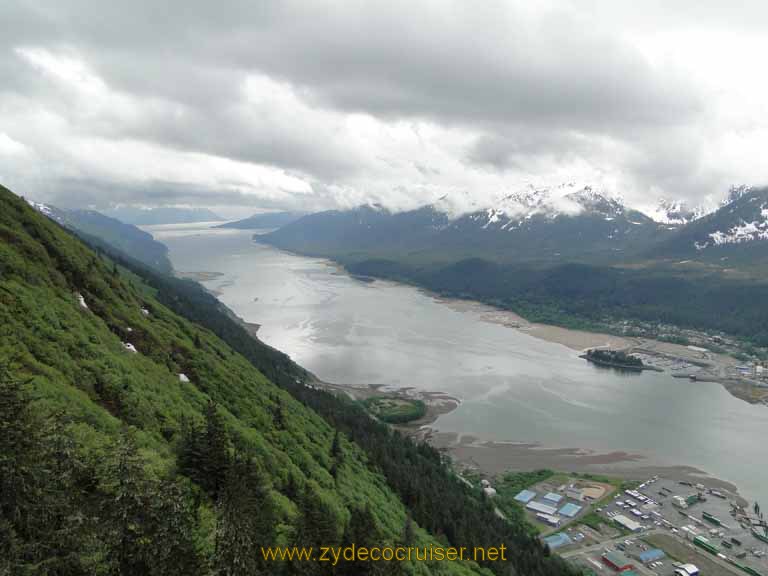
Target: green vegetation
[[617, 358], [593, 520], [510, 484], [395, 410], [112, 463], [612, 480]]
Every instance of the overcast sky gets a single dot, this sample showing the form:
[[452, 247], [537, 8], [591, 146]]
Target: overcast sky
[[246, 105]]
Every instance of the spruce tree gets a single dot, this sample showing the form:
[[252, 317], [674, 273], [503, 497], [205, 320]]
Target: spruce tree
[[361, 531], [215, 451], [316, 527], [17, 451], [246, 521]]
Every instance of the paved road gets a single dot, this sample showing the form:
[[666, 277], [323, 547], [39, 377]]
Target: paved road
[[639, 567]]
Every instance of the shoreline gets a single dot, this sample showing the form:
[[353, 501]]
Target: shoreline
[[493, 457], [704, 366]]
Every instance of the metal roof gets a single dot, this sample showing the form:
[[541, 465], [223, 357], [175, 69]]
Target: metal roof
[[541, 507], [570, 510], [651, 555], [525, 496], [617, 559], [558, 540]]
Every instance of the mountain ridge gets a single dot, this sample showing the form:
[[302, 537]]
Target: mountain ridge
[[126, 237], [182, 406]]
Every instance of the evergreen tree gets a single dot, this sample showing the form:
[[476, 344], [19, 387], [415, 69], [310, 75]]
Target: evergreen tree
[[204, 454], [17, 449], [408, 535], [336, 446], [215, 450], [361, 531], [246, 521], [316, 527], [148, 523]]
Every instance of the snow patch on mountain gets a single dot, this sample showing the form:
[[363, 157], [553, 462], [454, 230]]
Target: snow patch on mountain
[[40, 207], [677, 212], [741, 233], [735, 193]]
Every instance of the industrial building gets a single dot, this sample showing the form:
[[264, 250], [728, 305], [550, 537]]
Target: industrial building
[[558, 540], [627, 523], [548, 519], [651, 555], [525, 496], [542, 508], [552, 497], [617, 561], [570, 510]]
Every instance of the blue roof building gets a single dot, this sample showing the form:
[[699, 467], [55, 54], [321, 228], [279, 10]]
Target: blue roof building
[[570, 510], [558, 540], [651, 555], [552, 497], [525, 496]]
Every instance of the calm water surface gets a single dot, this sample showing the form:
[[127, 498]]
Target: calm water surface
[[514, 387]]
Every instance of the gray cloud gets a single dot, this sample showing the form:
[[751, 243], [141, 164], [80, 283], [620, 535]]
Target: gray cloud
[[339, 95]]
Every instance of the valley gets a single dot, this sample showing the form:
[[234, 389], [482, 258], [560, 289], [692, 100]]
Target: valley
[[512, 387]]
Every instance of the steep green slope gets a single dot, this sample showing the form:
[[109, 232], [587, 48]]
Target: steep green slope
[[133, 428], [126, 237]]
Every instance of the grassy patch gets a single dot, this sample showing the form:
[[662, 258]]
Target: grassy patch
[[395, 410], [510, 484], [593, 520]]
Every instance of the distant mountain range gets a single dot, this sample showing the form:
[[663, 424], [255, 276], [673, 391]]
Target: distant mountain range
[[533, 225], [582, 259], [264, 221], [163, 215], [529, 225], [736, 233], [126, 237]]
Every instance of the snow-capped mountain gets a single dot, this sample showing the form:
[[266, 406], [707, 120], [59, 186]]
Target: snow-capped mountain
[[736, 230], [743, 218], [527, 224], [52, 212], [676, 212], [510, 210]]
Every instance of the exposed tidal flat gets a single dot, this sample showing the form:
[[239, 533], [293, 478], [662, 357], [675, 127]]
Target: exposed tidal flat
[[508, 394]]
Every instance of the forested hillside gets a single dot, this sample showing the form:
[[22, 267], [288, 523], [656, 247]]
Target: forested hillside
[[125, 237], [591, 296], [135, 441]]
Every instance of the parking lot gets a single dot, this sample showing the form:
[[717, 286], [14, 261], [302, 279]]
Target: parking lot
[[684, 512]]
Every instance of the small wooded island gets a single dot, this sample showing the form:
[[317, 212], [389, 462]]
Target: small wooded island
[[615, 359]]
